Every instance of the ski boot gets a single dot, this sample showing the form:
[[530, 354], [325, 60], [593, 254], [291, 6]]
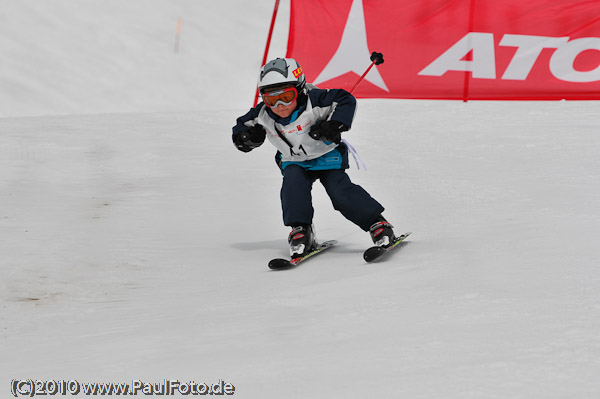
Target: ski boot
[[382, 233], [302, 240]]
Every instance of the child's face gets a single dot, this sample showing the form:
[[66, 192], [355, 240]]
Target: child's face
[[283, 111]]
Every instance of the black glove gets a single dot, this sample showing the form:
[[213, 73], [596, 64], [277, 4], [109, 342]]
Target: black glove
[[249, 139], [328, 131]]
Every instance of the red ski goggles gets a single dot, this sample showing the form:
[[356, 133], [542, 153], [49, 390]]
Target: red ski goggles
[[282, 96]]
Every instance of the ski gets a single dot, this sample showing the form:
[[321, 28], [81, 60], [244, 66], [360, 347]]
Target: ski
[[284, 264], [376, 252]]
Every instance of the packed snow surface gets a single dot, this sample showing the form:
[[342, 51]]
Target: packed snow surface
[[134, 238]]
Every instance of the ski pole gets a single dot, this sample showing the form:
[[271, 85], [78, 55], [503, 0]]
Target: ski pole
[[376, 58]]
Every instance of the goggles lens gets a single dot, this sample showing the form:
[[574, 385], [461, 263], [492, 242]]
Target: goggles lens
[[284, 96]]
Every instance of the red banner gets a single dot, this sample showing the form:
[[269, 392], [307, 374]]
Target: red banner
[[451, 49]]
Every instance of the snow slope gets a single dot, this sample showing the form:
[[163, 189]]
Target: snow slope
[[134, 237], [84, 56]]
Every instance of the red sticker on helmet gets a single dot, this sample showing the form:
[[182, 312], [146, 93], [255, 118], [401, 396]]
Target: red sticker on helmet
[[297, 72]]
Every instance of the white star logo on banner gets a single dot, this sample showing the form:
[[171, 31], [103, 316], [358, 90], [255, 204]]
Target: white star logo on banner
[[353, 53]]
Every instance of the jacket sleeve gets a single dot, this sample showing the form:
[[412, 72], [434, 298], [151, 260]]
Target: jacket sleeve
[[246, 121], [340, 104]]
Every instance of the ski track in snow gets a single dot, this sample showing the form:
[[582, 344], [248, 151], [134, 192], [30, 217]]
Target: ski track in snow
[[135, 238]]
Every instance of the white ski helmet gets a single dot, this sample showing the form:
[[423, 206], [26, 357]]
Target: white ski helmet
[[279, 72]]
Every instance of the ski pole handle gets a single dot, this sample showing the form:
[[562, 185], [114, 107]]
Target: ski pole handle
[[315, 135], [245, 136]]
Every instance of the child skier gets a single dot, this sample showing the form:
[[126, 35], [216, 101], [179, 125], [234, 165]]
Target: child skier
[[305, 124]]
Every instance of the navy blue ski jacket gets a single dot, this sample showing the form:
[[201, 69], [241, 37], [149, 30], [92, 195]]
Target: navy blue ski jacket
[[290, 135]]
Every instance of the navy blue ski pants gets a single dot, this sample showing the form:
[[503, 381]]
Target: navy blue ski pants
[[350, 199]]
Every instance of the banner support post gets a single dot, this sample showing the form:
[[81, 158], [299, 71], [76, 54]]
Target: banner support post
[[264, 60], [467, 74]]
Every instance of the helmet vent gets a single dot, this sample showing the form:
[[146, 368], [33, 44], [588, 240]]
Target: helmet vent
[[277, 65]]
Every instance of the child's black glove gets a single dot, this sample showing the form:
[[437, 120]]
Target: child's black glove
[[328, 131], [250, 139]]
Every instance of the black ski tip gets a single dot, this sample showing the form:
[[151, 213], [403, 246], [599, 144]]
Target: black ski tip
[[285, 264], [280, 264], [373, 253]]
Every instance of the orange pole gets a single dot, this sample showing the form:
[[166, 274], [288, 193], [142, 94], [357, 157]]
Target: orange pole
[[178, 34]]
